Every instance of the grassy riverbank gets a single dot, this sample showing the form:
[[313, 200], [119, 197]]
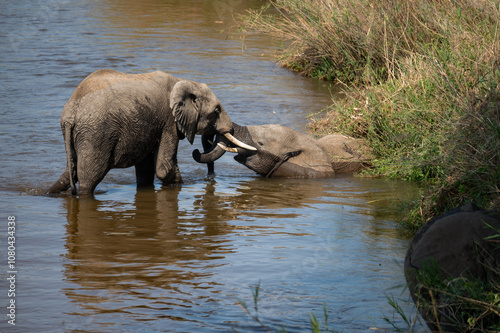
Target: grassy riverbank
[[421, 82]]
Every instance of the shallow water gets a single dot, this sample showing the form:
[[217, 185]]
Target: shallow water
[[179, 258]]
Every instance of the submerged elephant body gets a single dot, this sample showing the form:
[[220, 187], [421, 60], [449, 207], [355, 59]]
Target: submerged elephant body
[[118, 120], [345, 154], [300, 152], [285, 153]]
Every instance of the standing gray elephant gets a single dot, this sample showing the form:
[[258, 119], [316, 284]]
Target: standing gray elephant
[[118, 120], [285, 153]]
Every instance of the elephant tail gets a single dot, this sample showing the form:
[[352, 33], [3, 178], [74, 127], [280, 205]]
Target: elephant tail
[[70, 155]]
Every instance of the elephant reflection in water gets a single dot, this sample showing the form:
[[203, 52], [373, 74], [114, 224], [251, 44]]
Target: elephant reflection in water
[[130, 255], [149, 234], [162, 242]]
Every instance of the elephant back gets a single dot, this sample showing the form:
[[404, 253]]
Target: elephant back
[[346, 154]]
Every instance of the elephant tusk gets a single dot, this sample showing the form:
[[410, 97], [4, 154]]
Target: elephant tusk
[[226, 148], [238, 142]]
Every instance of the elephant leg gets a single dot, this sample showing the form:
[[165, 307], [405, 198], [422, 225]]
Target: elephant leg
[[145, 171], [166, 160], [62, 184], [91, 170]]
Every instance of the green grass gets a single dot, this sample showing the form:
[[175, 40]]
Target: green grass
[[314, 323], [421, 81], [462, 304], [421, 130], [365, 40]]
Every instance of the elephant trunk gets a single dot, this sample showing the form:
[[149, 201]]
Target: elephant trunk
[[223, 143], [212, 151]]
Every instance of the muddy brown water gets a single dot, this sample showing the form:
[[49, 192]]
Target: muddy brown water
[[181, 258]]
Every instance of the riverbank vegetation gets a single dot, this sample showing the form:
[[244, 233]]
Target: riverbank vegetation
[[421, 82]]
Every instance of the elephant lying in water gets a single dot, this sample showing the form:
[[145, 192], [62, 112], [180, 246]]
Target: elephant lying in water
[[285, 153], [118, 120]]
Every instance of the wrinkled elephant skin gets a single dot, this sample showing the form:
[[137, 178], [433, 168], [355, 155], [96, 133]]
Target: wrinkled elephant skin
[[285, 153], [118, 120], [346, 155]]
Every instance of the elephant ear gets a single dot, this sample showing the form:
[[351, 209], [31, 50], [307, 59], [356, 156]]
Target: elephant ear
[[185, 108]]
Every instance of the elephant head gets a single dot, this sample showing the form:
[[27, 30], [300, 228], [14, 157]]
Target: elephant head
[[281, 152], [197, 110]]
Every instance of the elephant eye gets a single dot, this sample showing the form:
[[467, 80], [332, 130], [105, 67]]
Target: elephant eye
[[260, 143], [217, 109]]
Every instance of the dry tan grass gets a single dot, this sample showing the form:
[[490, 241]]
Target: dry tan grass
[[365, 40], [413, 71]]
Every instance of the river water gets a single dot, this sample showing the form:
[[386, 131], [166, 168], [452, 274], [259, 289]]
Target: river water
[[182, 258]]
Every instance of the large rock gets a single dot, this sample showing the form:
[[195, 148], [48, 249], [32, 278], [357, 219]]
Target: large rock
[[458, 242]]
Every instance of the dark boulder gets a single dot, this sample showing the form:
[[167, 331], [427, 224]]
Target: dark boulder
[[460, 245]]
